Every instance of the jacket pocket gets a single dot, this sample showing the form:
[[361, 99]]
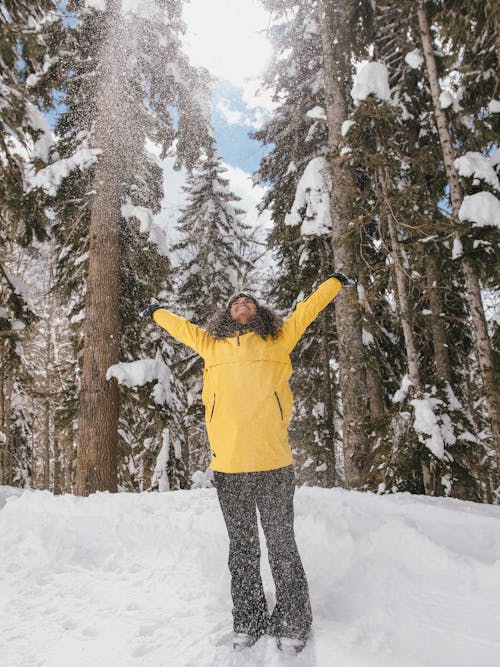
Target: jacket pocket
[[279, 404], [212, 410]]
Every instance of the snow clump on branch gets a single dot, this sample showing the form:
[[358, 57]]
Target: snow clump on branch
[[371, 79], [311, 206]]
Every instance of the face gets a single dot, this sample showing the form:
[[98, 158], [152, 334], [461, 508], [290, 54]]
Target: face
[[243, 310]]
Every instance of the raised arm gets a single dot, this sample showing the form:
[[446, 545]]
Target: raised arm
[[178, 327], [308, 310]]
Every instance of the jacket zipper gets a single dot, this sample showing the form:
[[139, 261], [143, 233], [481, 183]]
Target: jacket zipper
[[279, 404], [212, 411]]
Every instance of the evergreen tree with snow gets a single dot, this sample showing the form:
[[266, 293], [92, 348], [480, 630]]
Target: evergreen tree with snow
[[400, 186], [123, 74], [28, 52], [212, 264], [298, 135]]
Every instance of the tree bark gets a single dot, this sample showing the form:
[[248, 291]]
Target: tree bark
[[98, 418], [402, 292], [439, 338], [373, 381], [46, 443], [330, 476], [473, 294], [335, 19], [3, 443]]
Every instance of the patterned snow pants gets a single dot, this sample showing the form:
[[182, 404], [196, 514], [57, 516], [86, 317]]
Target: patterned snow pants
[[240, 494]]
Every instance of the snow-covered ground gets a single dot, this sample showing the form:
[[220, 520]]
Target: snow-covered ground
[[141, 580]]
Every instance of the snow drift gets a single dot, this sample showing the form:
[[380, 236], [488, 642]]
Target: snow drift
[[138, 580]]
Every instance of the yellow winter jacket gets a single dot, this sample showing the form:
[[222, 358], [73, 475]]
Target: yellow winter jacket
[[247, 399]]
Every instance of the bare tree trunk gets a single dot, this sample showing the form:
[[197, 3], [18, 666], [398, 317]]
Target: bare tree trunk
[[3, 436], [46, 443], [402, 292], [8, 468], [373, 381], [57, 485], [483, 343], [99, 400], [328, 401], [335, 18], [439, 338]]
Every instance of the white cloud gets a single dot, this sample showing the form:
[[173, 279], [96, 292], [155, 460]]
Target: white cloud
[[228, 39], [254, 118]]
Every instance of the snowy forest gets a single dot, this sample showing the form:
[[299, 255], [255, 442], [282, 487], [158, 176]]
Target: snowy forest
[[381, 159]]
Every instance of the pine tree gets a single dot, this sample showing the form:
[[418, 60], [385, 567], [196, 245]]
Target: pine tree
[[337, 21], [117, 95], [298, 135], [213, 263], [396, 154], [483, 344], [28, 50]]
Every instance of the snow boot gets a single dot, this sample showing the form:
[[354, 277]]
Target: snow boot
[[242, 640], [291, 645]]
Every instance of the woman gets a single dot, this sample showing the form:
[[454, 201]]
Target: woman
[[248, 403]]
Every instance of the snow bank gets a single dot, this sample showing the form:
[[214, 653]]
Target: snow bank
[[311, 207], [130, 580], [482, 209], [372, 79]]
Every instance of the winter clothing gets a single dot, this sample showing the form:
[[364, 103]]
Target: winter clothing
[[243, 640], [265, 323], [247, 399], [147, 311], [248, 404], [237, 295], [272, 492], [345, 280]]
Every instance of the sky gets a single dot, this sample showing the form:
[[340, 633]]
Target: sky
[[228, 39]]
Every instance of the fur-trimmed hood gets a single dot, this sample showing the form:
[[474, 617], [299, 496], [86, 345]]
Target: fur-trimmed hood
[[265, 323]]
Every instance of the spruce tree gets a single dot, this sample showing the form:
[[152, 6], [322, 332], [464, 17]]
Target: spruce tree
[[298, 134], [213, 262], [122, 76], [28, 50]]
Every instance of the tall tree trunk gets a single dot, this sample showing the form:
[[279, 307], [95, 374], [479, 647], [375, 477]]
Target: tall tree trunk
[[483, 343], [8, 459], [402, 292], [439, 339], [57, 485], [329, 399], [3, 434], [373, 381], [330, 476], [98, 419], [335, 19], [46, 443]]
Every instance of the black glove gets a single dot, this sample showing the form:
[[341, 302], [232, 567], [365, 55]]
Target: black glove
[[147, 311], [345, 280]]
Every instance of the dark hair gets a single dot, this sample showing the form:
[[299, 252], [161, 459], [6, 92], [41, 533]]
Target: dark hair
[[265, 323]]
